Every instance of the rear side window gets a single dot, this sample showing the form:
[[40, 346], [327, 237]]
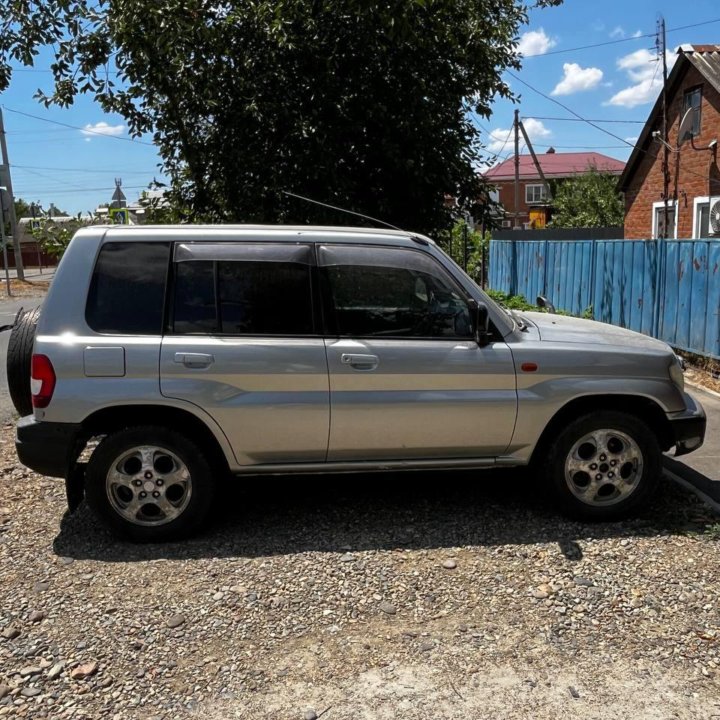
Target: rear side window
[[243, 297], [127, 290]]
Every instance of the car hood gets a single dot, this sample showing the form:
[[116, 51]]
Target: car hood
[[561, 328]]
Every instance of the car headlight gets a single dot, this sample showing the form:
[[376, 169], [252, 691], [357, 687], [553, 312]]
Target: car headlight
[[676, 372]]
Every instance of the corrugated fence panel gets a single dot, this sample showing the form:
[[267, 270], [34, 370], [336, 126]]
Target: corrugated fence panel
[[712, 316], [665, 288]]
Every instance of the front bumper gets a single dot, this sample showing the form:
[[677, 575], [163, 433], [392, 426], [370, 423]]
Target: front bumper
[[47, 448], [688, 426]]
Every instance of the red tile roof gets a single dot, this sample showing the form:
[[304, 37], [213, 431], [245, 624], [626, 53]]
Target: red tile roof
[[555, 165]]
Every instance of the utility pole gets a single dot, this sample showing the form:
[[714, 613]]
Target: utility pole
[[4, 246], [5, 166], [516, 125], [536, 162], [666, 147]]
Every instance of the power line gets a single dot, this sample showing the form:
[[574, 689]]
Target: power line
[[29, 191], [76, 127], [621, 40], [589, 122], [88, 170], [571, 111], [566, 119]]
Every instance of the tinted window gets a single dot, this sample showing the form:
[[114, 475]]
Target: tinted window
[[393, 293], [127, 290], [255, 298], [195, 297]]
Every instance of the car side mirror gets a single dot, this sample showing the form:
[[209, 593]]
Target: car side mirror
[[482, 325], [543, 302]]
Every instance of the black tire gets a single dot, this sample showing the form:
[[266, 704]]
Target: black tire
[[106, 499], [630, 494], [19, 356]]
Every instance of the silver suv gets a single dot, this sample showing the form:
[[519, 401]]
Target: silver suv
[[196, 352]]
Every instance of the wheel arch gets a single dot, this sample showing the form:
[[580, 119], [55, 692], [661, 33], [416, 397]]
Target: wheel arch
[[111, 419], [635, 405]]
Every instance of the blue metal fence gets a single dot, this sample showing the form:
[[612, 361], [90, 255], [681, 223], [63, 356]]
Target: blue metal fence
[[669, 289]]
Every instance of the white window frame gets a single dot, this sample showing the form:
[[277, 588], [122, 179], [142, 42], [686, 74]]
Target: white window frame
[[671, 204], [543, 193], [696, 207]]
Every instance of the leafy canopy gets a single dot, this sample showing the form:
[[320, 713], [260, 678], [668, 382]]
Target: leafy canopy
[[362, 104], [588, 200]]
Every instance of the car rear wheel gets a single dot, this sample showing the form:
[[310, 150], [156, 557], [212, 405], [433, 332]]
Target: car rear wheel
[[150, 484], [604, 466]]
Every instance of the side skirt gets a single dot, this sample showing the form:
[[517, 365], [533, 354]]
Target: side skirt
[[377, 466]]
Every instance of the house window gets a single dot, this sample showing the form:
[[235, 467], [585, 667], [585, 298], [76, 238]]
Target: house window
[[693, 99], [535, 194], [701, 221], [658, 220]]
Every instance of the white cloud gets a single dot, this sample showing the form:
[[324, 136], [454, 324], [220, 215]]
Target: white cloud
[[534, 128], [535, 42], [576, 79], [643, 70], [617, 32], [103, 128], [632, 140], [637, 34]]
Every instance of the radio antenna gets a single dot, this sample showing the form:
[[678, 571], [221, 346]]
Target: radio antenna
[[334, 207]]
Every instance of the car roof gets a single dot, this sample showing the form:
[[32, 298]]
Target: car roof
[[276, 233]]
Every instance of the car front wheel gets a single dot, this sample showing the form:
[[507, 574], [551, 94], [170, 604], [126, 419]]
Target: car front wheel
[[149, 484], [604, 466]]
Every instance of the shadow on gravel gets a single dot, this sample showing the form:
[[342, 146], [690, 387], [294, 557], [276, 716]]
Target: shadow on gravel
[[342, 513]]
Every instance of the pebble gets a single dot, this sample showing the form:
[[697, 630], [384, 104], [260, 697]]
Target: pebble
[[36, 616], [175, 621], [4, 690], [29, 670], [387, 608], [30, 692], [310, 715], [585, 582], [426, 645], [347, 557], [41, 586], [449, 564], [84, 671], [55, 670], [10, 633], [573, 692]]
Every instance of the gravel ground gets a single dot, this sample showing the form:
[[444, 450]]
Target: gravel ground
[[417, 596]]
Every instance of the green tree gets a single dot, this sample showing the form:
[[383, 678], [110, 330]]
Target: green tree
[[365, 105], [22, 208], [588, 200], [54, 237]]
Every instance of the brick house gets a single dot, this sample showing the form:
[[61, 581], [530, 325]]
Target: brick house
[[534, 210], [694, 185]]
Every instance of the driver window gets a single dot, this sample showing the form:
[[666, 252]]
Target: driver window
[[391, 292]]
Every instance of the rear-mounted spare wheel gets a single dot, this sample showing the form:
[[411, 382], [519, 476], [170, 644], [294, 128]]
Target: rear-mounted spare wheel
[[19, 359]]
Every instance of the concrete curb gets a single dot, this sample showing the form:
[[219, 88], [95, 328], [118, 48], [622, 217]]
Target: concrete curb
[[707, 499], [703, 388]]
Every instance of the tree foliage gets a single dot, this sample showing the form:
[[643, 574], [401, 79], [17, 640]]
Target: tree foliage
[[358, 104], [588, 200]]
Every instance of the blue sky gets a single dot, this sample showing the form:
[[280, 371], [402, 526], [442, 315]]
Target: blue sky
[[619, 81], [75, 168]]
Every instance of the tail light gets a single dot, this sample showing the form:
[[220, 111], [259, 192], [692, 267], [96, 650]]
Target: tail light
[[42, 380]]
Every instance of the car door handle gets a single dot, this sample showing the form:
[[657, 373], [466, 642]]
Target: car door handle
[[194, 360], [360, 362]]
